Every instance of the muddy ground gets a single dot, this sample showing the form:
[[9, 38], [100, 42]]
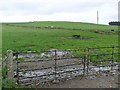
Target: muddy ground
[[102, 80]]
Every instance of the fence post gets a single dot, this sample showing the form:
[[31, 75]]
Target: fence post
[[10, 73], [0, 71]]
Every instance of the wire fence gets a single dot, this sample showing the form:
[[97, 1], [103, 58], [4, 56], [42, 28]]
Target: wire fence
[[48, 65]]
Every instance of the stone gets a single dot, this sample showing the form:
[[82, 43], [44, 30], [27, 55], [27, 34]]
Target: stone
[[113, 73], [55, 81], [110, 86], [113, 79]]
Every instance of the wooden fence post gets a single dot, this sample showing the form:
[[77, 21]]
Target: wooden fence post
[[10, 64], [0, 71]]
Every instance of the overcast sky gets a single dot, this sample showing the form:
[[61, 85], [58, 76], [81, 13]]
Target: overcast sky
[[59, 10]]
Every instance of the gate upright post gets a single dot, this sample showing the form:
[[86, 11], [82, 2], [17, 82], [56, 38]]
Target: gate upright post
[[55, 63], [17, 68], [84, 61], [88, 60], [10, 64], [112, 57]]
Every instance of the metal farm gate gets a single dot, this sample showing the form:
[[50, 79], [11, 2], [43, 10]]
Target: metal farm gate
[[34, 67]]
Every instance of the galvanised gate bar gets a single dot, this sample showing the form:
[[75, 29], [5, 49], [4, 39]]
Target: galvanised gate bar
[[41, 66]]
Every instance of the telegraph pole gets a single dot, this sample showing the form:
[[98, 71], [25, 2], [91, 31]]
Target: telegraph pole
[[97, 17]]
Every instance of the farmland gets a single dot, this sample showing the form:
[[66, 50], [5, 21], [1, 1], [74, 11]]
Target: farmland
[[36, 36]]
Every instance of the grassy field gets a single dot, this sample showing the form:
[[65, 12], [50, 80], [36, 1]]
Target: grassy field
[[19, 38], [36, 36]]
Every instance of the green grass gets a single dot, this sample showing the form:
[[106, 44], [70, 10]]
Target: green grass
[[70, 25], [36, 39], [24, 39], [10, 83]]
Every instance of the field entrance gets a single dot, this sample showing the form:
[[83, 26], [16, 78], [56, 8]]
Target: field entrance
[[34, 67]]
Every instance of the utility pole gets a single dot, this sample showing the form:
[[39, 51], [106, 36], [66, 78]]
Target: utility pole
[[97, 17]]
